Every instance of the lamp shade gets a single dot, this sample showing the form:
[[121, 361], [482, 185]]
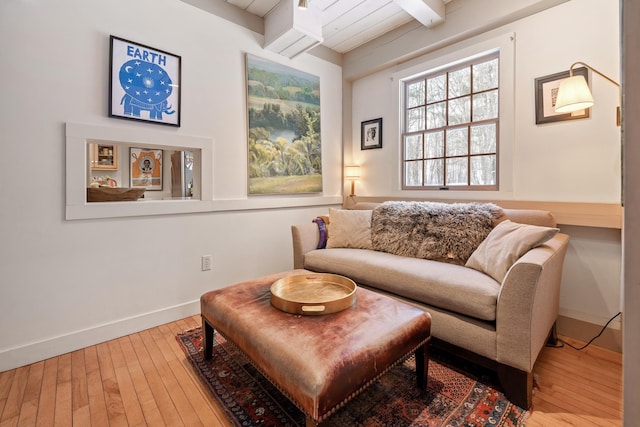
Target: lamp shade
[[573, 95], [352, 172]]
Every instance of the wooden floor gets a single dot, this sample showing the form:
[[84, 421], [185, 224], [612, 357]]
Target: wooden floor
[[145, 379]]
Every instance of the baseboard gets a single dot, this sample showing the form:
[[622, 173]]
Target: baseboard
[[584, 331], [34, 352]]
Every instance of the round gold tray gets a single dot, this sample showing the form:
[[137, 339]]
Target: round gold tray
[[313, 294]]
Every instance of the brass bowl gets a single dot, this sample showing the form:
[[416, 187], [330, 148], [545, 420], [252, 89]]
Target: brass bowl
[[313, 294]]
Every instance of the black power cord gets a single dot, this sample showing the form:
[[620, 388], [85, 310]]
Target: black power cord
[[563, 342]]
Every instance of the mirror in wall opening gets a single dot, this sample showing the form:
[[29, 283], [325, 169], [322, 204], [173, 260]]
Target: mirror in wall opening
[[119, 172]]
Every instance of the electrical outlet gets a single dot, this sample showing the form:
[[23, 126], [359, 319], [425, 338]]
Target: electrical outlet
[[207, 261]]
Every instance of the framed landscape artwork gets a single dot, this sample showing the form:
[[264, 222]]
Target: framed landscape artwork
[[546, 92], [144, 83], [283, 106]]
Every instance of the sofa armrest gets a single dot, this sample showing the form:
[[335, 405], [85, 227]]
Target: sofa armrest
[[529, 302], [305, 238]]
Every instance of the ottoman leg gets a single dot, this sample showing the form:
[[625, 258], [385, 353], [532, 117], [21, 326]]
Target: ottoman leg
[[422, 365], [207, 336]]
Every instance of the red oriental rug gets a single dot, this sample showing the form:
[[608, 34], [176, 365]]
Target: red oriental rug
[[457, 395]]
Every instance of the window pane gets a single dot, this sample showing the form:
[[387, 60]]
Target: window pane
[[485, 105], [485, 75], [436, 115], [433, 172], [460, 111], [415, 119], [413, 147], [483, 170], [434, 145], [483, 139], [457, 171], [457, 142], [436, 89], [415, 94], [460, 82], [413, 174]]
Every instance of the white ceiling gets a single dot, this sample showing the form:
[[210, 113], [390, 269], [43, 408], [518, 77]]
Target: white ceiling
[[346, 24]]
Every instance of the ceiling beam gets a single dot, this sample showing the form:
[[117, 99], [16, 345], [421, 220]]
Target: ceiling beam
[[427, 12]]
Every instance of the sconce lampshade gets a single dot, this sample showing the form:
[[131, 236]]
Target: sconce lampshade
[[352, 172], [573, 95], [302, 4]]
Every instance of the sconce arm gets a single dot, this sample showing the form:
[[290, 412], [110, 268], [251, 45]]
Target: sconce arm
[[594, 70]]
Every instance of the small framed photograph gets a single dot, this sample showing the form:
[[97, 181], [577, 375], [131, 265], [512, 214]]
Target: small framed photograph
[[546, 93], [371, 134], [145, 169], [144, 83]]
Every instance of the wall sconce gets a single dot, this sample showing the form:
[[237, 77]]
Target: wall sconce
[[352, 173], [302, 4], [574, 93]]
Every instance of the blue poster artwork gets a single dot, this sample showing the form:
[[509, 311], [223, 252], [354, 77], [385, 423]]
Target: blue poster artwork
[[144, 83]]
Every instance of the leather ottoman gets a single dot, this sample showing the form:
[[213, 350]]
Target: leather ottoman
[[318, 362]]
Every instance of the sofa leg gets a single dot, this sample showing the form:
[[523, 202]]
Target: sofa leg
[[552, 339], [517, 385]]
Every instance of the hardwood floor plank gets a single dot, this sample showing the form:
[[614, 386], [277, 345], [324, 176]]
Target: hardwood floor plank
[[63, 410], [97, 404], [29, 407], [210, 413], [150, 408], [47, 402], [161, 397], [11, 410], [181, 402], [602, 391], [6, 379], [79, 390], [130, 400], [110, 388]]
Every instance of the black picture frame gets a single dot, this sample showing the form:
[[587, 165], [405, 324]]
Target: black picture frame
[[546, 89], [371, 134], [144, 83]]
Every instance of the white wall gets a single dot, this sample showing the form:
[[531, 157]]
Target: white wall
[[571, 161], [67, 284]]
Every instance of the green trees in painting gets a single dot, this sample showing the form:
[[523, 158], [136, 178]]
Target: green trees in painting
[[284, 129]]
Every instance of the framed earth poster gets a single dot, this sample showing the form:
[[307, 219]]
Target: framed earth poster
[[144, 83], [283, 106]]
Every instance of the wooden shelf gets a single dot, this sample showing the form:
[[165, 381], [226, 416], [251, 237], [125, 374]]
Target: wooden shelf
[[601, 215]]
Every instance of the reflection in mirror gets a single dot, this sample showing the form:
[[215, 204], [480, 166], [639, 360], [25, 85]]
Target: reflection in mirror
[[120, 172]]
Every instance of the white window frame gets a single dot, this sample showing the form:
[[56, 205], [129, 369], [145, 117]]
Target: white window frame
[[445, 58]]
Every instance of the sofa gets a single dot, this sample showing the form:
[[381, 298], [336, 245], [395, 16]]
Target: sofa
[[489, 277]]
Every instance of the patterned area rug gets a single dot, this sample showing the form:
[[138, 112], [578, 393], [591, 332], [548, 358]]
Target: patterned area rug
[[454, 397]]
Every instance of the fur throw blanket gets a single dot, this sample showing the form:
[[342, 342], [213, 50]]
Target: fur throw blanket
[[448, 232]]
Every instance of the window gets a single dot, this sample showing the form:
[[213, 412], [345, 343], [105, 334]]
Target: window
[[450, 127]]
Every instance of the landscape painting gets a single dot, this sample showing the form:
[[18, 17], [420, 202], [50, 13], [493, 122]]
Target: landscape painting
[[284, 129]]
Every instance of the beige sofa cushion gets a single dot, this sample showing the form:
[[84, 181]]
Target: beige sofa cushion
[[447, 286], [507, 242], [349, 229]]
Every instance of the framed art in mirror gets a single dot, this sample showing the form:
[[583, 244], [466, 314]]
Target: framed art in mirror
[[146, 168]]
